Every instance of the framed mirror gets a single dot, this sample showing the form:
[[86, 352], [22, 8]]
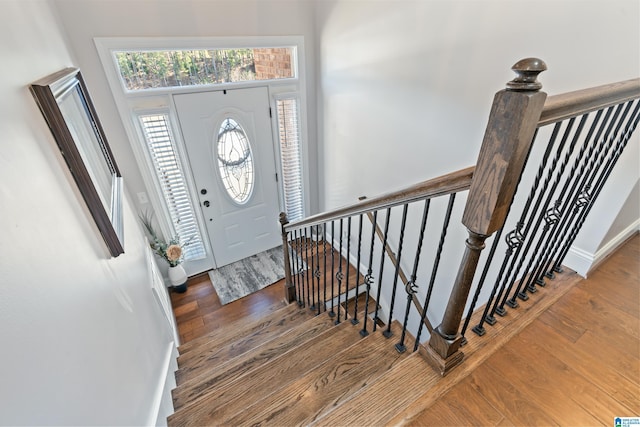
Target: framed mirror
[[66, 106]]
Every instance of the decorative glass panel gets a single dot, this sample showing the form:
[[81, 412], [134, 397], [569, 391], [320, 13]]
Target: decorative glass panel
[[235, 161]]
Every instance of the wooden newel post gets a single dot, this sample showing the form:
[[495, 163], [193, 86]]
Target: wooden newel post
[[289, 289], [512, 123]]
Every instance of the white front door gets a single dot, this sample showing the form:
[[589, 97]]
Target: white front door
[[229, 143]]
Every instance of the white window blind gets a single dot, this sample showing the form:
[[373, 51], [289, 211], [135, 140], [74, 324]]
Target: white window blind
[[290, 152], [159, 142]]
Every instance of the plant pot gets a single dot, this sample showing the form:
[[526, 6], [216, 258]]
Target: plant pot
[[178, 278], [180, 288]]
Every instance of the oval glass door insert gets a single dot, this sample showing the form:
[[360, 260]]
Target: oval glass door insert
[[235, 161]]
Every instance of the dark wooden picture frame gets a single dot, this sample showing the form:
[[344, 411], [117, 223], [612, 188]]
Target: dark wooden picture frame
[[66, 106]]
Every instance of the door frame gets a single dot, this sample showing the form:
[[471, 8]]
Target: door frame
[[130, 104], [253, 141]]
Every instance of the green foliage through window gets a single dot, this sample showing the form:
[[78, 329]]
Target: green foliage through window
[[173, 68]]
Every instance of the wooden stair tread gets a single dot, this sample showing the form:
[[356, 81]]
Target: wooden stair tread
[[383, 399], [233, 330], [350, 305], [215, 352], [216, 377], [311, 396], [351, 274], [231, 397]]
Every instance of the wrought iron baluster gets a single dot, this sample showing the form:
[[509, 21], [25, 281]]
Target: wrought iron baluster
[[309, 275], [332, 313], [348, 262], [339, 274], [606, 171], [476, 295], [523, 222], [514, 241], [479, 329], [403, 225], [569, 186], [411, 288], [324, 256], [436, 264], [300, 269], [548, 215], [584, 162], [368, 279], [355, 320], [382, 257], [292, 263], [316, 272], [604, 140]]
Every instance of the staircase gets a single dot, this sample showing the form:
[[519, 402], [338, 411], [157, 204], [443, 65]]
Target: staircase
[[306, 365], [294, 367], [291, 368]]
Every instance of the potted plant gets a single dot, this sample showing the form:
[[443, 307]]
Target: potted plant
[[170, 251]]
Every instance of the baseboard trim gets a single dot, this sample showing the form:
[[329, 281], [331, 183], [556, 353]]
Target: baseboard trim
[[614, 244], [162, 405], [583, 262]]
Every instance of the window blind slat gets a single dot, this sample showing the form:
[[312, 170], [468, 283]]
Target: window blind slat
[[172, 184], [290, 152]]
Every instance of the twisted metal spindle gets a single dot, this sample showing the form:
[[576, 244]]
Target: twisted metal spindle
[[339, 274], [411, 288], [355, 320], [382, 257], [387, 333]]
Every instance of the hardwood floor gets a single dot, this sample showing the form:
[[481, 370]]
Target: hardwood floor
[[198, 311], [576, 364]]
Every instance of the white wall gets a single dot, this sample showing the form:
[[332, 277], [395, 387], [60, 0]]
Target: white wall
[[84, 20], [405, 87], [83, 340]]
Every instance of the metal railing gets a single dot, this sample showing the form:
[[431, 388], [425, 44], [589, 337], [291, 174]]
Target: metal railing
[[562, 148]]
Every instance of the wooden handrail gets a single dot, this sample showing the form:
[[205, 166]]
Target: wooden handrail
[[573, 104], [442, 185]]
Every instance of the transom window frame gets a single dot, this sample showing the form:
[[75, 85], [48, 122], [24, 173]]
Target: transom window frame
[[131, 104], [292, 62]]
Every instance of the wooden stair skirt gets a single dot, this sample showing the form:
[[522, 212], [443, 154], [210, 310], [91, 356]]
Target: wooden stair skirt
[[294, 368]]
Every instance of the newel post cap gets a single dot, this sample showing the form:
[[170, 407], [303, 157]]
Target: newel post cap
[[527, 71]]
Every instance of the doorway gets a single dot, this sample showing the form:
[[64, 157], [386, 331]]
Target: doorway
[[229, 142]]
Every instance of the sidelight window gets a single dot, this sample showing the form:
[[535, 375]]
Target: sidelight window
[[290, 156], [170, 178]]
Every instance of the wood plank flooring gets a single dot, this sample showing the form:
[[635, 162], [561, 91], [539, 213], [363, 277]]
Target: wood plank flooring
[[198, 311], [576, 364]]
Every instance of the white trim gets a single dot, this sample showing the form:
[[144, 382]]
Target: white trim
[[579, 260], [129, 102], [584, 262], [162, 405]]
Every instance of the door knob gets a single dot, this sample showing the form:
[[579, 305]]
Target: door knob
[[206, 203], [203, 191]]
